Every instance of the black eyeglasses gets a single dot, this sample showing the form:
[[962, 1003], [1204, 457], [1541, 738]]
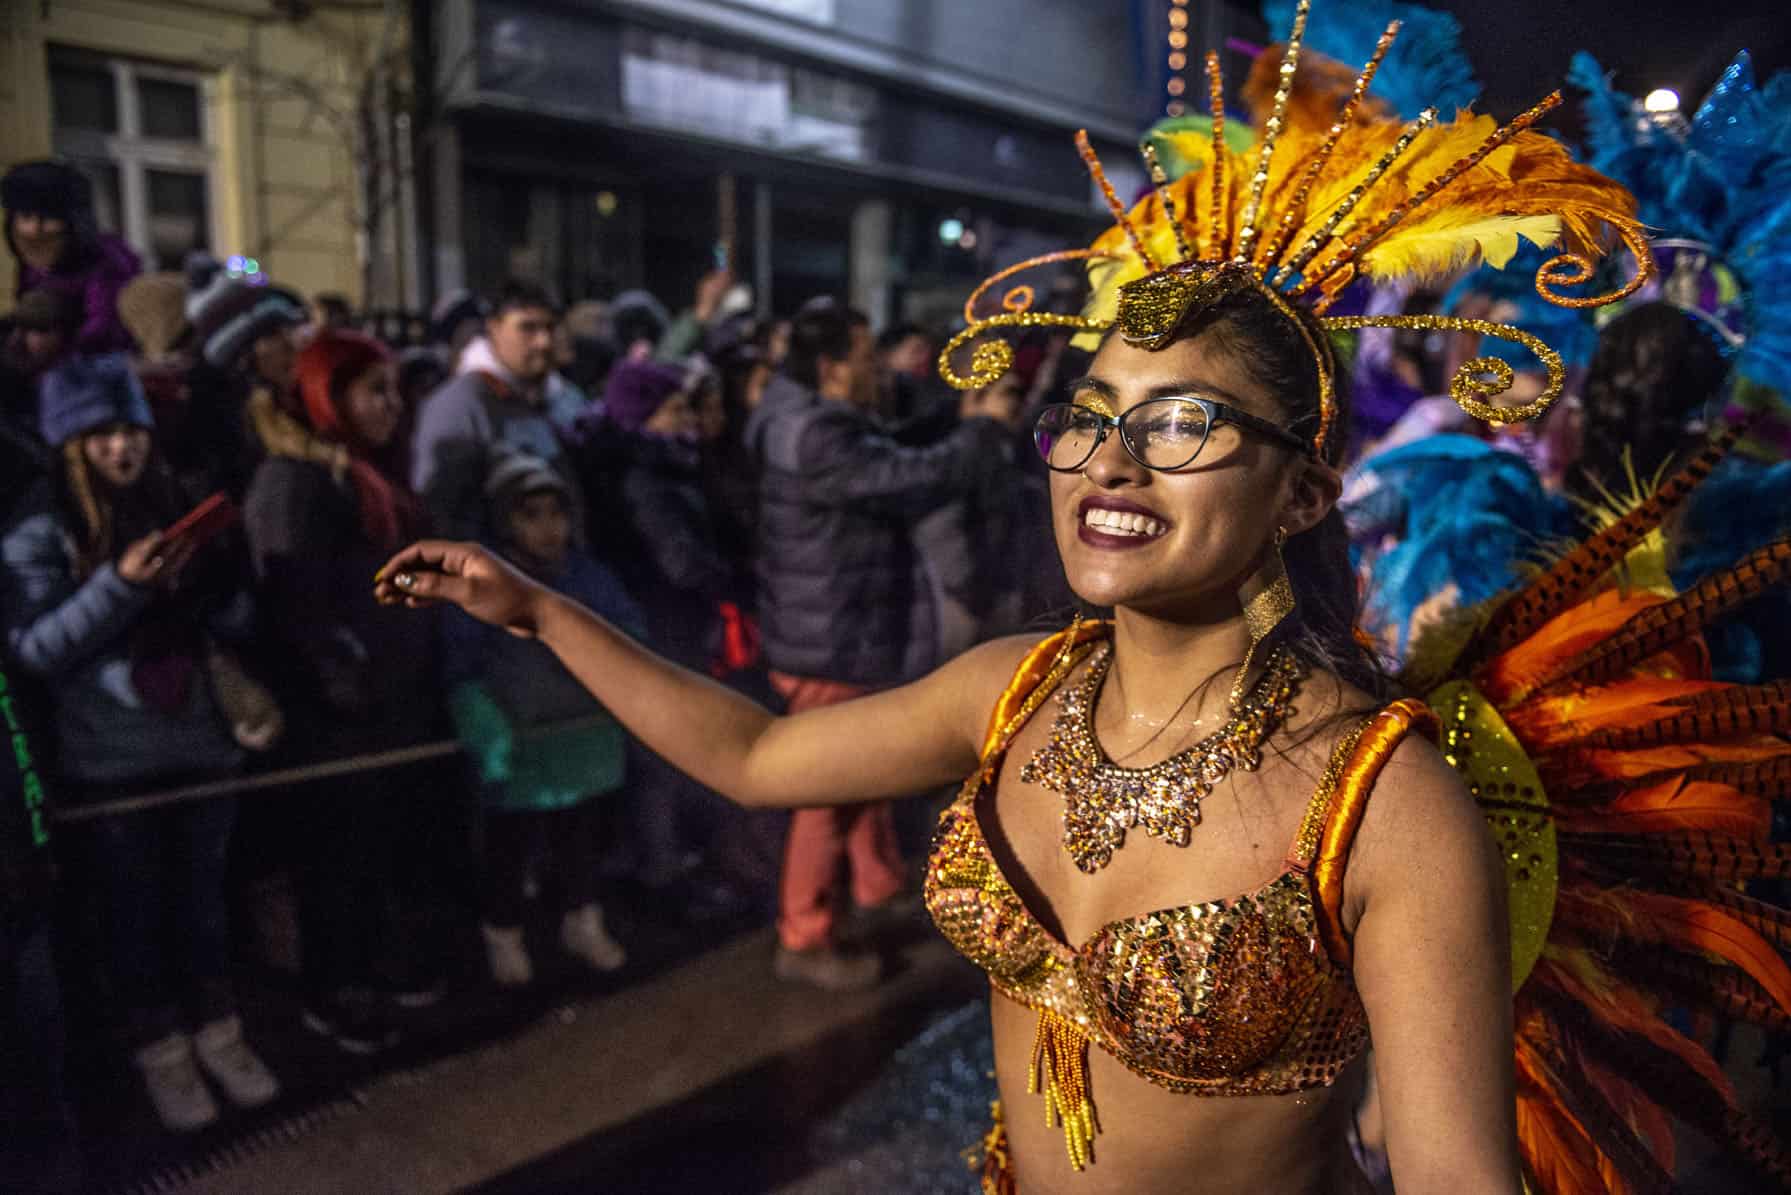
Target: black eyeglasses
[[1160, 433]]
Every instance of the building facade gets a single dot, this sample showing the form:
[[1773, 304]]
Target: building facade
[[271, 130], [895, 152]]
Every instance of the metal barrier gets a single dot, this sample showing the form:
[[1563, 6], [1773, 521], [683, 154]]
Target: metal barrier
[[236, 786]]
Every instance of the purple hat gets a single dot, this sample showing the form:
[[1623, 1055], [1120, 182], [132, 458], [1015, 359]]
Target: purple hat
[[86, 393], [636, 389]]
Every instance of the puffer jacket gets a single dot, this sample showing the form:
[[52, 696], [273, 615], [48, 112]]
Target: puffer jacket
[[75, 634], [840, 595]]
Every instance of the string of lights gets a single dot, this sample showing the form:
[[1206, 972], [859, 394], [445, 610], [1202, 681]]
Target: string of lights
[[1178, 57]]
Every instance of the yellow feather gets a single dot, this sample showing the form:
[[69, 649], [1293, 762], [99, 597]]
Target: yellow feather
[[1362, 148], [1452, 240], [1529, 187]]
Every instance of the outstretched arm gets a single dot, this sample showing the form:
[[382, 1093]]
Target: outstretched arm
[[889, 744], [1433, 964]]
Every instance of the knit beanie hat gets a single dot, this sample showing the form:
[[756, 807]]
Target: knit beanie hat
[[514, 476], [637, 315], [153, 309], [229, 312], [452, 310], [47, 188], [85, 393], [333, 359], [636, 389]]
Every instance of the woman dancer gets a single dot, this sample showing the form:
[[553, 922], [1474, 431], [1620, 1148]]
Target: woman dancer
[[1193, 485]]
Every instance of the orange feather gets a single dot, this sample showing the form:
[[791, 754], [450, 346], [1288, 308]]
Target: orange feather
[[1583, 569], [1574, 975], [1662, 626], [1547, 723], [1556, 1150], [1686, 924], [1673, 804], [1560, 639]]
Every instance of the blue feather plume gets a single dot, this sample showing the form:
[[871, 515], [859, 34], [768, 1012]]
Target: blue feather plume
[[1570, 331], [1722, 178], [1425, 67], [1457, 510]]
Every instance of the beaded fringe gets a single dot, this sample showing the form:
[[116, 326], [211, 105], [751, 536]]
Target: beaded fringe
[[996, 1174], [1060, 1066]]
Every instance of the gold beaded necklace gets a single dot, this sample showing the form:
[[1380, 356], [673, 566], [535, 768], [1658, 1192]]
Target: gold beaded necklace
[[1104, 800]]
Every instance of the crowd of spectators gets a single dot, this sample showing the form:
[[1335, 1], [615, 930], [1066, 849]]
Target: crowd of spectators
[[202, 472]]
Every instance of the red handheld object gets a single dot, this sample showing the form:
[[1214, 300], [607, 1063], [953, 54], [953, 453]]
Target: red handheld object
[[212, 517]]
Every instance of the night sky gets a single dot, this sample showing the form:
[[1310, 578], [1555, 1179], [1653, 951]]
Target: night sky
[[1520, 48]]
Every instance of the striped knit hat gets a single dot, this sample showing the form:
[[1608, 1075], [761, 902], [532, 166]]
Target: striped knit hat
[[229, 313]]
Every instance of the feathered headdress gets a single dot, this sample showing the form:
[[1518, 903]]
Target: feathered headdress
[[1330, 187], [1716, 190], [1425, 68]]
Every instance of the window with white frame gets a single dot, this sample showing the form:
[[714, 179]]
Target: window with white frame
[[140, 132]]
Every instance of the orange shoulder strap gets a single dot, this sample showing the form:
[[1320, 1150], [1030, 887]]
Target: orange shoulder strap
[[1042, 670], [1336, 814]]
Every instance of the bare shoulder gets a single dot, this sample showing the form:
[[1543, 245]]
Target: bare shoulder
[[1421, 831], [981, 673], [1325, 710], [967, 686]]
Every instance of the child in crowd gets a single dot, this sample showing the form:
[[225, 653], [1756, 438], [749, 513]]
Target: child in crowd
[[127, 629], [544, 749]]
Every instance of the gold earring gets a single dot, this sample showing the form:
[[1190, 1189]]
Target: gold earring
[[1268, 598]]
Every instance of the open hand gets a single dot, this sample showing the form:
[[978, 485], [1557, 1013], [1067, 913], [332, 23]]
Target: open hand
[[710, 291], [467, 576]]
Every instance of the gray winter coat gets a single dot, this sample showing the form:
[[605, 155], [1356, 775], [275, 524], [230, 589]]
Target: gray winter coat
[[459, 429], [840, 595]]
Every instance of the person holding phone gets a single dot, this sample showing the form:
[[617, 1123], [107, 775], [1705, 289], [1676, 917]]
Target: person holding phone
[[124, 623]]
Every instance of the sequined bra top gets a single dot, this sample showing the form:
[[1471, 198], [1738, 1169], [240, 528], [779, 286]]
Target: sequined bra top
[[1246, 996]]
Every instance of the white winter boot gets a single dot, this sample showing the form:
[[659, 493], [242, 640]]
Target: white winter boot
[[226, 1057], [508, 956], [583, 936], [180, 1096]]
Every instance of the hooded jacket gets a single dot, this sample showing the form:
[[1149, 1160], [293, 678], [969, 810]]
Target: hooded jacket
[[93, 276], [356, 675], [461, 426]]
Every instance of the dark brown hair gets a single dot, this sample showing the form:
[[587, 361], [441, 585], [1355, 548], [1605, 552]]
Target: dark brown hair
[[1654, 370], [1252, 332], [93, 513]]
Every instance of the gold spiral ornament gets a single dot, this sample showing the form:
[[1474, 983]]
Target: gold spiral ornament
[[1572, 269], [1472, 386], [1020, 298], [993, 358]]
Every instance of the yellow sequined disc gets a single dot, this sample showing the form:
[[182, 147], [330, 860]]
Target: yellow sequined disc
[[1503, 781]]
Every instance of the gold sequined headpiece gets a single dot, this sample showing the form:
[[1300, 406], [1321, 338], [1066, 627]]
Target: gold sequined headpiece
[[1332, 187]]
